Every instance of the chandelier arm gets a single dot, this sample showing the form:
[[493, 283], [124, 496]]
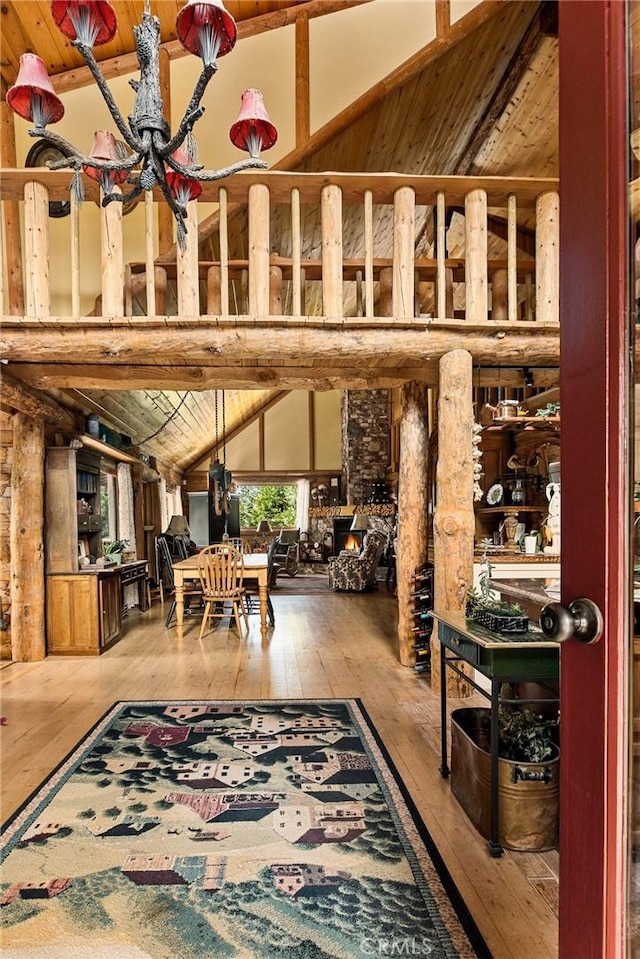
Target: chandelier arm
[[57, 141], [187, 123], [129, 137], [207, 175], [123, 197], [193, 111]]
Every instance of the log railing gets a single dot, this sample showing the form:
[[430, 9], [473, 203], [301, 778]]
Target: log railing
[[308, 247]]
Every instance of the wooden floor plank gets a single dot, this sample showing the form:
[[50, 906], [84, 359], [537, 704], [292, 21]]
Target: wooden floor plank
[[323, 645]]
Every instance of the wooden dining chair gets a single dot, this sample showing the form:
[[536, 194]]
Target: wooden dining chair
[[221, 569]]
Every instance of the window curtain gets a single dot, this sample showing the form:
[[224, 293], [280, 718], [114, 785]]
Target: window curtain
[[177, 501], [165, 515], [126, 524], [302, 505]]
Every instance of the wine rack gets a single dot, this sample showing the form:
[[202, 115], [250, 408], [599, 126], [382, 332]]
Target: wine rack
[[422, 596]]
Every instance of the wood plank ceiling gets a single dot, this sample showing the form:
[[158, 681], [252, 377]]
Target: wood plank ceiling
[[485, 105]]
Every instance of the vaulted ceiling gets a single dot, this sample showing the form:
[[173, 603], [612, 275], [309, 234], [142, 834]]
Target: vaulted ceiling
[[482, 98]]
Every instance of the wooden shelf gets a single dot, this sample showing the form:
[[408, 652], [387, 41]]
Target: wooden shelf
[[524, 423], [495, 510]]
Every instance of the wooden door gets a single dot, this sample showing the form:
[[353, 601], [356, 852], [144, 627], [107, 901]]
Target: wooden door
[[595, 390]]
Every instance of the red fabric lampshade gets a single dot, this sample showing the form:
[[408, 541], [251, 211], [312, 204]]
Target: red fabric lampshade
[[182, 187], [253, 125], [75, 17], [104, 148], [32, 96], [199, 16]]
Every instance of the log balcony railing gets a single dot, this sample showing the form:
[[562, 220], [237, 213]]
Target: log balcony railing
[[319, 249]]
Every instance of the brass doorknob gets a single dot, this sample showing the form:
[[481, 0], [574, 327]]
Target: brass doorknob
[[581, 620]]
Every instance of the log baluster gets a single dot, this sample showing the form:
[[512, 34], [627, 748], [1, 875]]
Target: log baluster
[[547, 257], [476, 293], [259, 249], [36, 248], [403, 251], [331, 204]]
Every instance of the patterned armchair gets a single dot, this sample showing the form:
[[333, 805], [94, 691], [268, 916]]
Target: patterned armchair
[[357, 571]]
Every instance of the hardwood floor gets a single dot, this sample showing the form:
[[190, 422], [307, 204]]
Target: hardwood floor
[[323, 644]]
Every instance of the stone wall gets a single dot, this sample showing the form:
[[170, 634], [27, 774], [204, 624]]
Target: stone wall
[[365, 442]]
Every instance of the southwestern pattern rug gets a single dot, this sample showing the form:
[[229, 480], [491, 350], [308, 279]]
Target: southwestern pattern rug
[[228, 830]]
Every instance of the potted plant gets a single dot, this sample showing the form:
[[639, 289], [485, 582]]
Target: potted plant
[[488, 611], [528, 774], [112, 550]]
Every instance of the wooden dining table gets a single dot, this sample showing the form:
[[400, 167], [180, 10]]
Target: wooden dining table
[[255, 568]]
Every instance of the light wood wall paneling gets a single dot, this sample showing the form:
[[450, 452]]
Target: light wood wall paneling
[[412, 508], [453, 520], [26, 540], [36, 248]]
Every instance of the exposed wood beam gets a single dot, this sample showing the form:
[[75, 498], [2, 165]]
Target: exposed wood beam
[[17, 397], [363, 345], [303, 108], [443, 17], [503, 93], [251, 27]]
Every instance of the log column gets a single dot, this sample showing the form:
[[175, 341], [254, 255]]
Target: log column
[[403, 252], [476, 256], [331, 203], [412, 507], [187, 262], [26, 540], [547, 258], [259, 250], [453, 521], [36, 248]]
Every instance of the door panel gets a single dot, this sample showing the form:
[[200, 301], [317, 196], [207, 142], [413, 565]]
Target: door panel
[[594, 387]]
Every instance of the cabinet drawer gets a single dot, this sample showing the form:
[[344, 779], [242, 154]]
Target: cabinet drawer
[[133, 575], [465, 648], [88, 523]]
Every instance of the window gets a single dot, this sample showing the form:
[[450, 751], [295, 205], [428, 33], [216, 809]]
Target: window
[[274, 503]]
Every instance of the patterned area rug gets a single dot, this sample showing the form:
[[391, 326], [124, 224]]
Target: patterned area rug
[[247, 830]]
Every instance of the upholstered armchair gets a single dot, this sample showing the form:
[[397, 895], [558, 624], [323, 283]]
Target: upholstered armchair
[[357, 571]]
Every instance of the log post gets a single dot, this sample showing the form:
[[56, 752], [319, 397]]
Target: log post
[[26, 540], [214, 279], [187, 263], [453, 521], [332, 250], [385, 299], [36, 249], [476, 256], [112, 251], [547, 257], [275, 291], [403, 251], [11, 215], [259, 249], [499, 296], [412, 507]]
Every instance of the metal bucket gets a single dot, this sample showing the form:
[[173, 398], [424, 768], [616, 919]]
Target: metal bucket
[[527, 792]]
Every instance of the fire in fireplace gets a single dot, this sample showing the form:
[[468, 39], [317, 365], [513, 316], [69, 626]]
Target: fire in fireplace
[[343, 536]]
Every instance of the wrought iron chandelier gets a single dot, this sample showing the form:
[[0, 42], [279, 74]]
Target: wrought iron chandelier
[[206, 29]]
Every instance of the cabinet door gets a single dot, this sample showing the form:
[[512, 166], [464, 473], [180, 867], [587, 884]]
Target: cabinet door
[[110, 609]]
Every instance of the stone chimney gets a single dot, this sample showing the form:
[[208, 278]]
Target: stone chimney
[[365, 442]]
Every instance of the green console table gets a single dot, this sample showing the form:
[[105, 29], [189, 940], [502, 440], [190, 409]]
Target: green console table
[[508, 658]]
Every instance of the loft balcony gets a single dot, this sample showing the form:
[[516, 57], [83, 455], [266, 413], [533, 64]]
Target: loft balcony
[[289, 279]]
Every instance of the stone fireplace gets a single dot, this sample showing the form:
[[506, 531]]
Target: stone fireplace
[[343, 536]]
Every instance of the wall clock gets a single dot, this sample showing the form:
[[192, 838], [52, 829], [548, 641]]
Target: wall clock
[[39, 155]]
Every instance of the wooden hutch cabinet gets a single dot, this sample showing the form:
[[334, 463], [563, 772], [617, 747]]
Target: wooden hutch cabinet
[[83, 608]]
